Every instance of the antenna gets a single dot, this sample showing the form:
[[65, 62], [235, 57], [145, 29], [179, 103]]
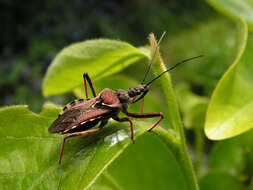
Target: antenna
[[153, 57], [173, 67]]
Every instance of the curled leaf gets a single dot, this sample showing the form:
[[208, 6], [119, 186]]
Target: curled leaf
[[235, 9], [231, 107]]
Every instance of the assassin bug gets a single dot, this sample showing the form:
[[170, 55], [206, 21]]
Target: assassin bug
[[78, 117]]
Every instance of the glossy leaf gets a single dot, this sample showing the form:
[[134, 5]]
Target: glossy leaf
[[29, 154], [235, 8], [230, 110], [146, 165], [99, 58]]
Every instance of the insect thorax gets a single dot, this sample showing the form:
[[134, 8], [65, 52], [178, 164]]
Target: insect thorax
[[123, 96]]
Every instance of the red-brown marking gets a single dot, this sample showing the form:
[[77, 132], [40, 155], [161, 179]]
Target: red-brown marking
[[109, 96]]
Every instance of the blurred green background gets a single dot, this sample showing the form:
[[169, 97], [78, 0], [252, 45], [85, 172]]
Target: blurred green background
[[32, 34]]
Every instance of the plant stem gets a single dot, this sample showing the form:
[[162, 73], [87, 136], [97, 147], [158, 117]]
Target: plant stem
[[186, 165], [179, 150], [198, 147]]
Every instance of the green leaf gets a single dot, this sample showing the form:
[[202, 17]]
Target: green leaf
[[220, 181], [230, 110], [99, 58], [29, 154], [235, 9], [113, 82], [146, 165]]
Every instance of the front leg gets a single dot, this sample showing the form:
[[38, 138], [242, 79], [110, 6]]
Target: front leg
[[86, 77], [123, 119], [141, 97], [147, 115]]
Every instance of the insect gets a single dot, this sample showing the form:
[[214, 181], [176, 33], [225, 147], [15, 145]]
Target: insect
[[80, 116]]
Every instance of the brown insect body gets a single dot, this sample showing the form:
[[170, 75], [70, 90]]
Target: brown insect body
[[80, 116]]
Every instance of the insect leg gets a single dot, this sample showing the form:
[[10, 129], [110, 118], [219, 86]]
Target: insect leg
[[147, 115], [142, 104], [103, 123], [141, 97], [86, 77], [123, 119], [77, 134]]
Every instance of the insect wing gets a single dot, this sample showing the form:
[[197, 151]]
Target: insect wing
[[65, 120], [75, 117]]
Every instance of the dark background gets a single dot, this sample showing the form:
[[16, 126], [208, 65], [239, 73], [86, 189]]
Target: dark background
[[32, 32]]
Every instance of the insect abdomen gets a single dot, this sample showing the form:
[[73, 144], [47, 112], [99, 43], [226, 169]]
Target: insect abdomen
[[82, 126]]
